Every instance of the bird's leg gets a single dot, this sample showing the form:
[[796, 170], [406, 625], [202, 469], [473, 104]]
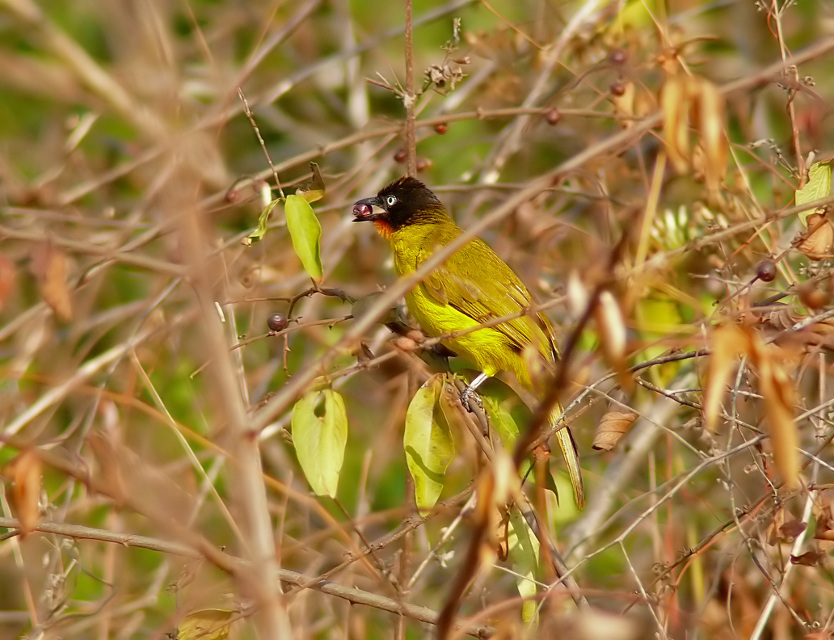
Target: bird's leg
[[469, 392]]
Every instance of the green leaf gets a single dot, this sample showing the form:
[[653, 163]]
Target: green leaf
[[320, 439], [817, 187], [502, 421], [524, 560], [428, 444], [263, 219], [206, 624], [305, 232], [313, 190]]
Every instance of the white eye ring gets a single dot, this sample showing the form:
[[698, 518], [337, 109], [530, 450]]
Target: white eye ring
[[390, 200]]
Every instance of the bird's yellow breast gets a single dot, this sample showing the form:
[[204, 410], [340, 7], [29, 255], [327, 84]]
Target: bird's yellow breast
[[487, 348]]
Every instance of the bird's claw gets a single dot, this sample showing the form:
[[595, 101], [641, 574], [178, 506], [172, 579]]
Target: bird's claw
[[468, 396]]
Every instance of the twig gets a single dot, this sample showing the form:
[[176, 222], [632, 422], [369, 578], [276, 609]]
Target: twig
[[257, 130], [409, 99]]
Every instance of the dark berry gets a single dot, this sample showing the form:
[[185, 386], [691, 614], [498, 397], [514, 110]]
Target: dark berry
[[401, 156], [766, 271], [277, 322], [617, 89], [441, 128], [553, 116]]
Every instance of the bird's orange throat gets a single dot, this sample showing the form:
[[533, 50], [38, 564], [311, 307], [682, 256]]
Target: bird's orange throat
[[384, 229]]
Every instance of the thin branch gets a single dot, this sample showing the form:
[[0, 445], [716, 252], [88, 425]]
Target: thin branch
[[410, 99]]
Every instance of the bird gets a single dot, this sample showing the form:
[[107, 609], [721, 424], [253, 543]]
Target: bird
[[472, 287]]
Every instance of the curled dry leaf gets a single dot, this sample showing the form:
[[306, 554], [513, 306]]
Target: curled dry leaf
[[809, 558], [792, 529], [817, 241], [612, 332], [578, 295], [687, 102], [777, 389], [50, 266], [727, 342], [25, 471], [611, 428], [778, 316], [673, 102], [7, 278], [497, 484], [710, 107], [824, 515]]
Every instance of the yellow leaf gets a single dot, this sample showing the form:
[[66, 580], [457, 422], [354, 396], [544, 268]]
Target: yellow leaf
[[206, 624], [817, 187]]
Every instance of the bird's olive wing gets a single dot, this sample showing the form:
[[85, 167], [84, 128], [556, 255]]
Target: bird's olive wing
[[476, 282]]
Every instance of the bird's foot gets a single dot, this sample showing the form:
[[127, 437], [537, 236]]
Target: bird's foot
[[469, 398]]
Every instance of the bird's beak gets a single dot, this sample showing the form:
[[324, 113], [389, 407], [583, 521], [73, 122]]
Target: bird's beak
[[363, 210]]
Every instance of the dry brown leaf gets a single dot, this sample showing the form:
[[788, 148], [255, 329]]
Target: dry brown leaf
[[711, 118], [7, 278], [689, 102], [577, 295], [50, 266], [727, 342], [778, 392], [611, 428], [612, 332], [817, 241], [809, 558], [25, 471], [792, 529], [778, 315], [675, 105]]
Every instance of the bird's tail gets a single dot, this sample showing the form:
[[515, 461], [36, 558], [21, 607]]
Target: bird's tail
[[571, 455]]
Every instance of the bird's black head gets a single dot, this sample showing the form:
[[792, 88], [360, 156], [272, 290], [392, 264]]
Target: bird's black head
[[404, 202]]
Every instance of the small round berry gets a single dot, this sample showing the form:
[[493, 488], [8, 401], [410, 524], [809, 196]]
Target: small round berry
[[423, 164], [766, 271], [553, 116], [401, 156], [441, 128], [617, 89], [277, 322]]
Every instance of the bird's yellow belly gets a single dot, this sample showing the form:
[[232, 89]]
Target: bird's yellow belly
[[486, 348]]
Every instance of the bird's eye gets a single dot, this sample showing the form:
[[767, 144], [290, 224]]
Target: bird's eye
[[390, 201]]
